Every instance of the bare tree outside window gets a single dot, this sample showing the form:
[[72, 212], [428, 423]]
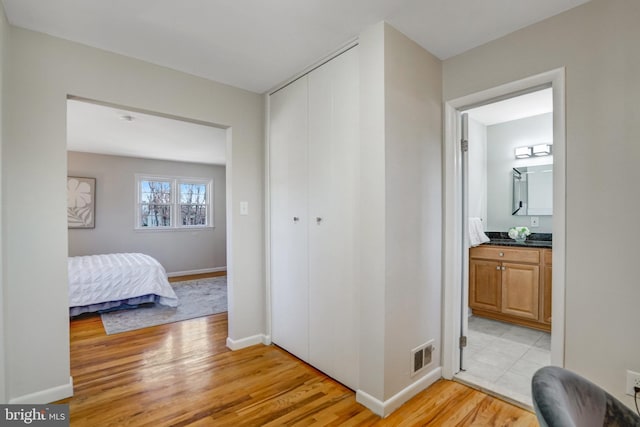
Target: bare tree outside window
[[193, 204], [166, 202], [155, 204]]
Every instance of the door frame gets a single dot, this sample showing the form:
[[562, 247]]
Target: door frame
[[454, 236]]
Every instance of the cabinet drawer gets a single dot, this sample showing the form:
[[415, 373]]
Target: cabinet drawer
[[501, 253]]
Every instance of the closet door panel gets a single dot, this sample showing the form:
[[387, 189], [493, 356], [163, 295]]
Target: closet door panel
[[288, 144], [333, 172]]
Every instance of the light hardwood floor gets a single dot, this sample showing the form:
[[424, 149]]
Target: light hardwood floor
[[182, 374]]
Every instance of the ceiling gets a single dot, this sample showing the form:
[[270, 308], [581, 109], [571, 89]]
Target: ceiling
[[227, 41], [257, 44], [95, 128], [519, 107]]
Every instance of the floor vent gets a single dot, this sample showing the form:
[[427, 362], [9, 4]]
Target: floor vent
[[421, 357]]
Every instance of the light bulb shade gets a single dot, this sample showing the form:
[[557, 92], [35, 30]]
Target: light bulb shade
[[523, 152], [541, 150]]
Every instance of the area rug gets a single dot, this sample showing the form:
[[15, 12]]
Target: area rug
[[196, 298]]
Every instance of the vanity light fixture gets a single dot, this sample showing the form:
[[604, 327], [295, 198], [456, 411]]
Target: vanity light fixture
[[523, 152], [541, 150]]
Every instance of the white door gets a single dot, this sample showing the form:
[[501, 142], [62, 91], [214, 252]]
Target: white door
[[288, 144], [333, 174]]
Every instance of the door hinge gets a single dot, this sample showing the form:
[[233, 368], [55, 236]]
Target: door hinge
[[464, 145], [463, 341]]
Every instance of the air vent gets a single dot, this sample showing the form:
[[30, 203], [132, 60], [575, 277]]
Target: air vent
[[421, 357]]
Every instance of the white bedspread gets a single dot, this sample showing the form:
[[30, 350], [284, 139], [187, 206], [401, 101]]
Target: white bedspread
[[97, 279]]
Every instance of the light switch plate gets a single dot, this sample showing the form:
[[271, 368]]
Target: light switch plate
[[244, 208]]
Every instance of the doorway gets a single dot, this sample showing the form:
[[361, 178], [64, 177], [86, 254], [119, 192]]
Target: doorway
[[127, 150], [457, 324]]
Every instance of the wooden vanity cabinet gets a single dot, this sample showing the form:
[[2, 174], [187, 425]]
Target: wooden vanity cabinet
[[546, 280], [510, 284], [520, 290], [485, 279]]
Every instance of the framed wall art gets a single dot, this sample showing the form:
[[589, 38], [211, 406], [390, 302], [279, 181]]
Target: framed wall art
[[81, 202]]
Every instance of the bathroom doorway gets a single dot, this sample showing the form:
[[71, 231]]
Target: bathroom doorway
[[511, 147]]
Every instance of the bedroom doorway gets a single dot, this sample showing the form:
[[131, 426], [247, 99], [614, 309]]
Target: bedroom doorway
[[143, 182], [457, 232]]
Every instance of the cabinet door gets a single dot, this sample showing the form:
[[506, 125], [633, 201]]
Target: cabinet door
[[546, 298], [333, 174], [485, 279], [520, 285], [289, 217]]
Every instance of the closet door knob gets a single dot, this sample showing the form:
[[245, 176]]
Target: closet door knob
[[296, 219], [318, 220]]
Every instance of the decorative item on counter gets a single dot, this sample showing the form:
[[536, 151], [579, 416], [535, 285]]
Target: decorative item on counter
[[519, 234]]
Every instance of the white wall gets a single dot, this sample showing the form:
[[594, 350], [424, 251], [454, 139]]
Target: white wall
[[400, 231], [413, 138], [477, 170], [40, 72], [502, 140], [177, 251], [4, 36], [372, 232], [597, 43]]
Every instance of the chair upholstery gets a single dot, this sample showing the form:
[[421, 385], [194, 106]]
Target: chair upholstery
[[562, 398]]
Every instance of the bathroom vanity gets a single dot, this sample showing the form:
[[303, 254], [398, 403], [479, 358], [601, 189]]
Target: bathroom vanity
[[512, 282]]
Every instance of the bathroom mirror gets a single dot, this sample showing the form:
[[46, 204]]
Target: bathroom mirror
[[532, 190]]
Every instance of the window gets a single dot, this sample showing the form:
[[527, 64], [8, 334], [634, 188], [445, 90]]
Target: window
[[173, 203], [193, 203]]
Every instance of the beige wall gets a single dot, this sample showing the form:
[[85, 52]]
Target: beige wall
[[372, 201], [177, 250], [4, 35], [598, 45], [413, 139], [400, 228], [40, 72]]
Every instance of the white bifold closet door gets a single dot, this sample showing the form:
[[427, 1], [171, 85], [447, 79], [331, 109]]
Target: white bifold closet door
[[333, 174], [319, 292], [289, 218]]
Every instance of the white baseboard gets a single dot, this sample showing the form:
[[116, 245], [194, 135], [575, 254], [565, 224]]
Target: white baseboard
[[385, 408], [248, 341], [201, 271], [45, 396]]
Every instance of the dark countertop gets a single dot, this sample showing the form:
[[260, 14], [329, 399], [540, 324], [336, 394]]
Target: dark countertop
[[535, 240], [527, 243]]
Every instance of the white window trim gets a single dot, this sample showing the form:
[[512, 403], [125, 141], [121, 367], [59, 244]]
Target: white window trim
[[175, 202]]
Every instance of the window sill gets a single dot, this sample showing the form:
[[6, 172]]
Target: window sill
[[171, 229]]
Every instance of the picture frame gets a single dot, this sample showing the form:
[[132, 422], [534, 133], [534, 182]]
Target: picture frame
[[81, 202]]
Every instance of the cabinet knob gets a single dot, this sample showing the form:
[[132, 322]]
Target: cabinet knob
[[498, 268], [504, 268], [501, 254], [296, 219], [318, 220]]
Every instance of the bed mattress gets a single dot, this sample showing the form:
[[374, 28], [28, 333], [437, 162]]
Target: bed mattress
[[100, 282]]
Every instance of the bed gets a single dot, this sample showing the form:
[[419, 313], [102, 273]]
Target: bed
[[111, 281]]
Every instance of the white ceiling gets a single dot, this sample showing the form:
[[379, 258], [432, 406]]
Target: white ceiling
[[256, 44], [251, 44], [530, 104], [94, 128]]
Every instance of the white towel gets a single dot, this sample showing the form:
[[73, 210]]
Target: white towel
[[476, 233]]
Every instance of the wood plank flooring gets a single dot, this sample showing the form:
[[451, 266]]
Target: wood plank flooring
[[182, 374]]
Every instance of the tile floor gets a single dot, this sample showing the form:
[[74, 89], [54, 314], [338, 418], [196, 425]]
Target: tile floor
[[501, 357]]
